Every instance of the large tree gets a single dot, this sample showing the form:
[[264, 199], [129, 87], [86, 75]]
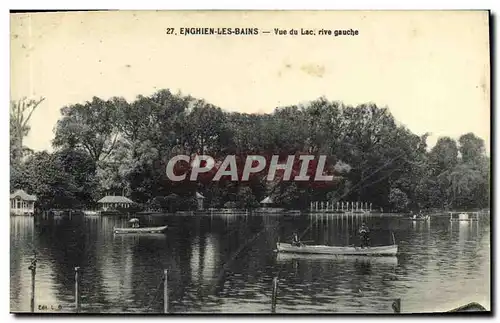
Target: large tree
[[90, 126]]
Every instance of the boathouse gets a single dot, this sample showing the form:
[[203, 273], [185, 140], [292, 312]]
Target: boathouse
[[21, 203], [113, 202]]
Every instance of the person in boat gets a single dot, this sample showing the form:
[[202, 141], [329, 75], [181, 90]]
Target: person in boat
[[296, 240], [364, 234]]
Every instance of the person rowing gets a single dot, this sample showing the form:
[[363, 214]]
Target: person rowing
[[296, 240], [364, 234]]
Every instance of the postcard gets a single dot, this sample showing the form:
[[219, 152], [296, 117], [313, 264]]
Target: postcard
[[250, 162]]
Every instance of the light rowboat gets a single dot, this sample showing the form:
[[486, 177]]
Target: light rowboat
[[391, 250], [287, 257], [420, 218], [145, 230]]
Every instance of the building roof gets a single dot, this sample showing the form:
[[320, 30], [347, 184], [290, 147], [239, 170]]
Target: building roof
[[267, 200], [23, 195], [115, 199]]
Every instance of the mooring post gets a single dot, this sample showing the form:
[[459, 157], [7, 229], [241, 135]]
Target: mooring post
[[32, 267], [165, 291], [274, 295], [77, 294], [396, 306]]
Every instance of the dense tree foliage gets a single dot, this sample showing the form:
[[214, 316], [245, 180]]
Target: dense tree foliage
[[121, 147]]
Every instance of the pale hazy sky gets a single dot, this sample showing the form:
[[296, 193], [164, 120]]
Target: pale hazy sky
[[430, 68]]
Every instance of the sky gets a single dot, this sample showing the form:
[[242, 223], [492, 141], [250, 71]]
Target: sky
[[431, 69]]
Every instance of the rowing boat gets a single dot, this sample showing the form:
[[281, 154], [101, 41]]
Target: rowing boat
[[145, 230], [418, 218], [287, 257], [391, 250]]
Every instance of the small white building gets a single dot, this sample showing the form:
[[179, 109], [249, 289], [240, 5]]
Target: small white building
[[113, 202], [21, 203]]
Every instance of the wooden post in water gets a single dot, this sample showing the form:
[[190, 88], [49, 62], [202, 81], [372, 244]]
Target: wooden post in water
[[165, 291], [274, 295], [32, 267], [77, 294]]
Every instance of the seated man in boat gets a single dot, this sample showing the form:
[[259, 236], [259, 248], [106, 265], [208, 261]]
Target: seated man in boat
[[296, 240], [364, 234], [134, 224]]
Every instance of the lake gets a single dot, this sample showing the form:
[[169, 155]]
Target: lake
[[226, 264]]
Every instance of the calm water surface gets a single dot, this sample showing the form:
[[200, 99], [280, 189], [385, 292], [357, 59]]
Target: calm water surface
[[226, 264]]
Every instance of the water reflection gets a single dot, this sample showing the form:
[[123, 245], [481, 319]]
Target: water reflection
[[226, 264]]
